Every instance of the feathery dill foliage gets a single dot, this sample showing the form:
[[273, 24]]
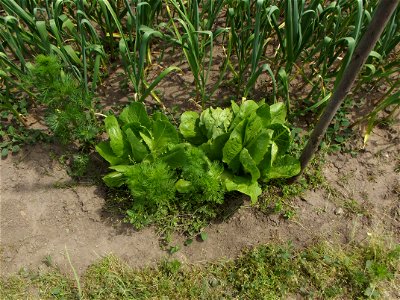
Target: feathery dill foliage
[[69, 112], [160, 191], [203, 175], [152, 184]]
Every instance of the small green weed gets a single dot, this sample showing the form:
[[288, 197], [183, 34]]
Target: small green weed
[[354, 207], [278, 195], [340, 132], [14, 133], [14, 137], [76, 164]]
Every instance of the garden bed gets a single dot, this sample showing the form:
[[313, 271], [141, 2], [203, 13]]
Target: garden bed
[[44, 212]]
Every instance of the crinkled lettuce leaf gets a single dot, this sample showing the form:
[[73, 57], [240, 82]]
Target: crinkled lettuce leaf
[[215, 121]]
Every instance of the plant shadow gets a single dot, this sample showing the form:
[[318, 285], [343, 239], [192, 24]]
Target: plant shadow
[[233, 201]]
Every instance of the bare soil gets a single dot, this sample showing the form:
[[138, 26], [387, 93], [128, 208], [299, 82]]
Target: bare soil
[[44, 214]]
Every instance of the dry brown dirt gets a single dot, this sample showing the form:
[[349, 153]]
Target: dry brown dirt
[[43, 214]]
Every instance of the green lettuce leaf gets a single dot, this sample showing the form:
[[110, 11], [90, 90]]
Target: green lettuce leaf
[[264, 113], [139, 151], [281, 137], [249, 165], [284, 167], [274, 152], [163, 134], [269, 158], [135, 112], [215, 121], [104, 149], [126, 170], [260, 145], [190, 129], [114, 179], [278, 113], [147, 138], [258, 121], [235, 107], [213, 148], [246, 109], [135, 127], [245, 186], [175, 157], [116, 138], [232, 148]]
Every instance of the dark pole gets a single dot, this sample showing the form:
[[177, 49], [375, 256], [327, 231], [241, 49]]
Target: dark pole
[[367, 43]]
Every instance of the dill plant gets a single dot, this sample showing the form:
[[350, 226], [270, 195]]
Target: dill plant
[[203, 174], [69, 111], [160, 191]]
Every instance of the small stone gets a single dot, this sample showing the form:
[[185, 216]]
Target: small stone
[[213, 282], [67, 230], [23, 213], [339, 211]]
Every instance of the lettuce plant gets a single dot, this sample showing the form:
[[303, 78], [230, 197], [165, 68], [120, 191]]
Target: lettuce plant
[[162, 172], [251, 140], [220, 150]]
